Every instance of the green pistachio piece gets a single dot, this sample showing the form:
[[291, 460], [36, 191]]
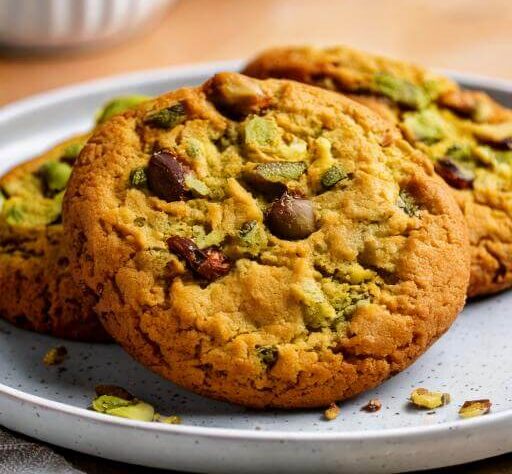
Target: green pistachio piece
[[460, 152], [104, 403], [138, 178], [212, 239], [140, 411], [33, 212], [253, 236], [262, 133], [72, 151], [407, 203], [167, 118], [280, 171], [119, 105], [426, 126], [2, 201], [14, 215], [319, 312], [268, 355], [55, 174], [196, 186], [170, 420], [332, 176], [401, 91]]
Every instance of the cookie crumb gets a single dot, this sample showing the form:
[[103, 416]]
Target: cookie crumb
[[372, 406], [423, 398], [170, 420], [332, 412], [55, 356], [473, 408]]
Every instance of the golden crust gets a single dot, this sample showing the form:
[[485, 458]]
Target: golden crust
[[37, 290], [246, 337]]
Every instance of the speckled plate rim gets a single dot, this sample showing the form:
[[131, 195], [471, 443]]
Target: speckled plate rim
[[463, 424], [502, 421]]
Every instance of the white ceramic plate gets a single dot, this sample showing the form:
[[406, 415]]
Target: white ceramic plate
[[471, 362]]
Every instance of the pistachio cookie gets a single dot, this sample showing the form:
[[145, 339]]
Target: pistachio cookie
[[465, 133], [265, 242], [36, 288]]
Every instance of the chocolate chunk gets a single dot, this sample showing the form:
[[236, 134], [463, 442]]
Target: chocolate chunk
[[210, 263], [166, 176]]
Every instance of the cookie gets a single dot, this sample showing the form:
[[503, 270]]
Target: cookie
[[464, 132], [36, 288], [265, 242]]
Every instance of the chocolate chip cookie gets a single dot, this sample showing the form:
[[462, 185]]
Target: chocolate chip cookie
[[36, 288], [265, 242], [465, 133]]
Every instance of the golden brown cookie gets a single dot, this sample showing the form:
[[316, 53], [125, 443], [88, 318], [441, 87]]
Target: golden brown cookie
[[36, 288], [265, 242], [465, 133]]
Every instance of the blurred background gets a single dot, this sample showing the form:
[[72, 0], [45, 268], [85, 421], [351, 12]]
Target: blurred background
[[49, 43]]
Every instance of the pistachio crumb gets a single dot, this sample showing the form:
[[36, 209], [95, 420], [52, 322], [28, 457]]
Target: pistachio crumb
[[372, 406], [423, 398], [170, 420], [473, 408], [55, 356], [332, 412], [138, 178]]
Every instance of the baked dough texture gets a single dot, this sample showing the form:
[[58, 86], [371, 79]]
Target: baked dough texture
[[466, 134], [266, 243]]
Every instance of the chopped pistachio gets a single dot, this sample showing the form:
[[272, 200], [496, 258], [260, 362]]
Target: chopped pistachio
[[118, 105], [461, 152], [2, 201], [401, 91], [193, 147], [104, 403], [319, 312], [138, 178], [407, 203], [55, 174], [55, 356], [268, 355], [332, 412], [14, 215], [423, 398], [168, 117], [211, 239], [170, 420], [425, 126], [280, 171], [140, 411], [333, 175], [253, 235], [196, 186], [473, 408], [72, 151], [262, 133]]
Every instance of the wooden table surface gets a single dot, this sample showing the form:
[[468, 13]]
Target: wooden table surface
[[466, 35]]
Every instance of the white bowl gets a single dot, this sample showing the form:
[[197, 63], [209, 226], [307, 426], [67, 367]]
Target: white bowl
[[50, 24]]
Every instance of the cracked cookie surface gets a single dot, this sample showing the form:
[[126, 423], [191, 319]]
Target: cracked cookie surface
[[265, 242], [37, 290], [465, 133]]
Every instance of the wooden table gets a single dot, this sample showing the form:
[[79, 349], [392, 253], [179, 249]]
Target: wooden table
[[465, 35]]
